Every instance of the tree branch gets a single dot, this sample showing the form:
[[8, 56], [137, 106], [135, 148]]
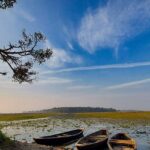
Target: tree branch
[[14, 56], [7, 3], [25, 49]]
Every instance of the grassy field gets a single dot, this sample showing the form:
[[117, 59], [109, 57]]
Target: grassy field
[[24, 116], [117, 115], [107, 115]]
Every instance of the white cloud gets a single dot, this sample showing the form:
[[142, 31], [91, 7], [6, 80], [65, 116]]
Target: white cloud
[[80, 87], [8, 84], [69, 45], [101, 67], [25, 15], [54, 80], [112, 24], [128, 84], [61, 57]]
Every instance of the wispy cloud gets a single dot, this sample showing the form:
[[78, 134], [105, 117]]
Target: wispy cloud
[[128, 84], [61, 57], [26, 15], [70, 45], [101, 67], [80, 87], [54, 80], [112, 24], [8, 84]]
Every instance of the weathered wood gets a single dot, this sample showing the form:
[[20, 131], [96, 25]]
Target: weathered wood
[[60, 139], [122, 141], [94, 141]]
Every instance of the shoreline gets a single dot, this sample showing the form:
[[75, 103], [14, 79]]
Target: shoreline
[[16, 145]]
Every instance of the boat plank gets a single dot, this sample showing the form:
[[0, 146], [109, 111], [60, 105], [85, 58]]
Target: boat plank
[[122, 141], [94, 141]]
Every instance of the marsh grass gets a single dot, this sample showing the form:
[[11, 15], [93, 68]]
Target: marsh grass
[[4, 140], [25, 116], [103, 115], [116, 115]]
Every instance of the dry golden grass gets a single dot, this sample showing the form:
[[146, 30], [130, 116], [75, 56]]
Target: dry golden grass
[[24, 116], [144, 115], [103, 115]]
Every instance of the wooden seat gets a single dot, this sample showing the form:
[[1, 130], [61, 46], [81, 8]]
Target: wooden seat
[[124, 142]]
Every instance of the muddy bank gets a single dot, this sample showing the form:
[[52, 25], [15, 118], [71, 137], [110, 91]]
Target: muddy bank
[[27, 146]]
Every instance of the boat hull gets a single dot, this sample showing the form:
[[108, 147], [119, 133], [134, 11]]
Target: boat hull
[[57, 141], [96, 146], [94, 141], [121, 148], [122, 141]]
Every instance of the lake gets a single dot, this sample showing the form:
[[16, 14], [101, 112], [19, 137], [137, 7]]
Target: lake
[[25, 130]]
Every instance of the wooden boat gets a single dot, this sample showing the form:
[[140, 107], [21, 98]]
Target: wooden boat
[[122, 141], [60, 139], [94, 141]]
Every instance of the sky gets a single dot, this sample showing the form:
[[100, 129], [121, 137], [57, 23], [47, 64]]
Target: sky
[[101, 54]]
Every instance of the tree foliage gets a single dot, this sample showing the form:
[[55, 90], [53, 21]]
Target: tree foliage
[[21, 56], [25, 49], [7, 3], [79, 109]]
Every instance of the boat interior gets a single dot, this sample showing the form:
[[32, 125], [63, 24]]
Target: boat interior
[[97, 136], [121, 136]]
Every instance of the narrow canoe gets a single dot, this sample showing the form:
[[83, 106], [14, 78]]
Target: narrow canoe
[[122, 141], [94, 141], [60, 139]]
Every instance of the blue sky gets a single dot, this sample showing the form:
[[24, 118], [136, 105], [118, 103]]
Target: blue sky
[[101, 54]]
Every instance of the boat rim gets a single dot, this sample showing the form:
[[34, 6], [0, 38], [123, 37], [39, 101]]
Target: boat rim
[[51, 136]]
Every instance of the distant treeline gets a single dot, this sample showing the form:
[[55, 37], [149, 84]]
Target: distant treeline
[[79, 109]]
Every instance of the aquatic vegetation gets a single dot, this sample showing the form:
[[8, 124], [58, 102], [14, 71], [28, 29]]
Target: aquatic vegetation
[[25, 130]]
